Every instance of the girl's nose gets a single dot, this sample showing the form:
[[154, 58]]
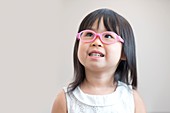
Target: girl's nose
[[97, 42]]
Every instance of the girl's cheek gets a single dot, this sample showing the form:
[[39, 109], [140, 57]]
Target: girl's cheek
[[81, 51]]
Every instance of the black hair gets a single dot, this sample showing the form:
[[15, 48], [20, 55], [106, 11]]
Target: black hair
[[127, 70]]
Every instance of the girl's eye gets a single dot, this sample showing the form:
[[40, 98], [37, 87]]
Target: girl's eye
[[89, 34], [108, 36]]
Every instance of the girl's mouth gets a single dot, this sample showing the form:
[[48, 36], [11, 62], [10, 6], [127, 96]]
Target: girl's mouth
[[96, 54]]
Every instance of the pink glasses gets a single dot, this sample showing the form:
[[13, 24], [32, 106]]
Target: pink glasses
[[107, 37]]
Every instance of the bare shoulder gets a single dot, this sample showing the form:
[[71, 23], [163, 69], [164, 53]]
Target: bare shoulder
[[139, 104], [59, 105]]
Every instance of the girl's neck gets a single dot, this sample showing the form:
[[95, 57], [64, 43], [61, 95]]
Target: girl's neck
[[98, 83]]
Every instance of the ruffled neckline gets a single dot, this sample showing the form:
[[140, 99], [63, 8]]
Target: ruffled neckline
[[99, 100]]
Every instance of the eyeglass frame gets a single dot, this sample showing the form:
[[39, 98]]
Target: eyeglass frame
[[116, 36]]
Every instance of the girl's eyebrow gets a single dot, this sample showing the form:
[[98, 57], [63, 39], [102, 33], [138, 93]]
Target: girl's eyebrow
[[92, 29]]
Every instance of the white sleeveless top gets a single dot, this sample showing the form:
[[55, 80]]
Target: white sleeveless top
[[120, 101]]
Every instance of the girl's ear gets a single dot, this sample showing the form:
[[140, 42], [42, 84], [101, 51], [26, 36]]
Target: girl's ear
[[123, 56]]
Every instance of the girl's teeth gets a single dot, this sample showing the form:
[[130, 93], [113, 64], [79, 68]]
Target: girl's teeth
[[96, 54]]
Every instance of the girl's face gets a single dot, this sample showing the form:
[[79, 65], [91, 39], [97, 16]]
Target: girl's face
[[96, 56]]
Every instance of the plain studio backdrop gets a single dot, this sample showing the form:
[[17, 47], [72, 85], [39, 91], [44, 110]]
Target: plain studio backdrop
[[36, 47]]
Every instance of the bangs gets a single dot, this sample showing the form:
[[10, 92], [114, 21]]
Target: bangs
[[109, 19]]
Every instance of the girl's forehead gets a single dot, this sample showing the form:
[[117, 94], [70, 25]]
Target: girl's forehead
[[98, 25]]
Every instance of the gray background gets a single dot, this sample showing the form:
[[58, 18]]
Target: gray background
[[36, 44]]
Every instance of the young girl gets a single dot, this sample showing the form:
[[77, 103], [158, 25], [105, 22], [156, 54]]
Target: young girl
[[105, 72]]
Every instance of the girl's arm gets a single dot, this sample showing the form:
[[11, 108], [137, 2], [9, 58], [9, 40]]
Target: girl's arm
[[139, 105], [59, 105]]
